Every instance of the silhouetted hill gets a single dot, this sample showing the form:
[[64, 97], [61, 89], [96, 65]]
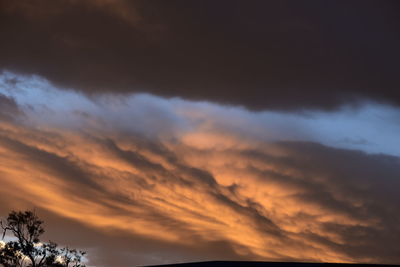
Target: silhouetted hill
[[266, 264]]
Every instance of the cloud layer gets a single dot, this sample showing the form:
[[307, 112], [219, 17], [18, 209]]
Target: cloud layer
[[262, 55], [145, 180]]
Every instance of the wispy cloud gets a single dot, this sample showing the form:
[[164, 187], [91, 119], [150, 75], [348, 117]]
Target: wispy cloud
[[186, 178]]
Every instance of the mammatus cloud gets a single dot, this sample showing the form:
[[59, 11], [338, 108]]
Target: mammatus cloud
[[190, 189], [261, 55]]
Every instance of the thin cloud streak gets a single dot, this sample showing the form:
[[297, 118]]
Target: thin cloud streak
[[172, 175]]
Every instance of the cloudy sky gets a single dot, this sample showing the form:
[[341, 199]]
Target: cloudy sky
[[150, 132]]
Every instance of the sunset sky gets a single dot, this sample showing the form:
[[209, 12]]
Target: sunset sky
[[150, 132]]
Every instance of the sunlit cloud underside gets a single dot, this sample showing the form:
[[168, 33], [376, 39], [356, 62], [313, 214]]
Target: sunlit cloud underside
[[309, 186]]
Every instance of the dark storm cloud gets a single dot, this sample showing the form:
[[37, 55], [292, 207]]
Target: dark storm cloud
[[260, 54]]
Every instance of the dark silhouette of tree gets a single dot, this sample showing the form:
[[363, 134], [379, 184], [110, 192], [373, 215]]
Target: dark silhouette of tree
[[27, 250]]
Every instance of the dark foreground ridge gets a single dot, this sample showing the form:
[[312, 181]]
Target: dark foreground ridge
[[267, 264]]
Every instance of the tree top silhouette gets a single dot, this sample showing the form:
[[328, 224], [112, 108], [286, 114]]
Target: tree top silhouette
[[27, 250]]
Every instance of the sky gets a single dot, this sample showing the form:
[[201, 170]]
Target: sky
[[152, 132]]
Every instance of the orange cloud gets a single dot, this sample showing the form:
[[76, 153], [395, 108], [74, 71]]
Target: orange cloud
[[205, 189], [265, 199]]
